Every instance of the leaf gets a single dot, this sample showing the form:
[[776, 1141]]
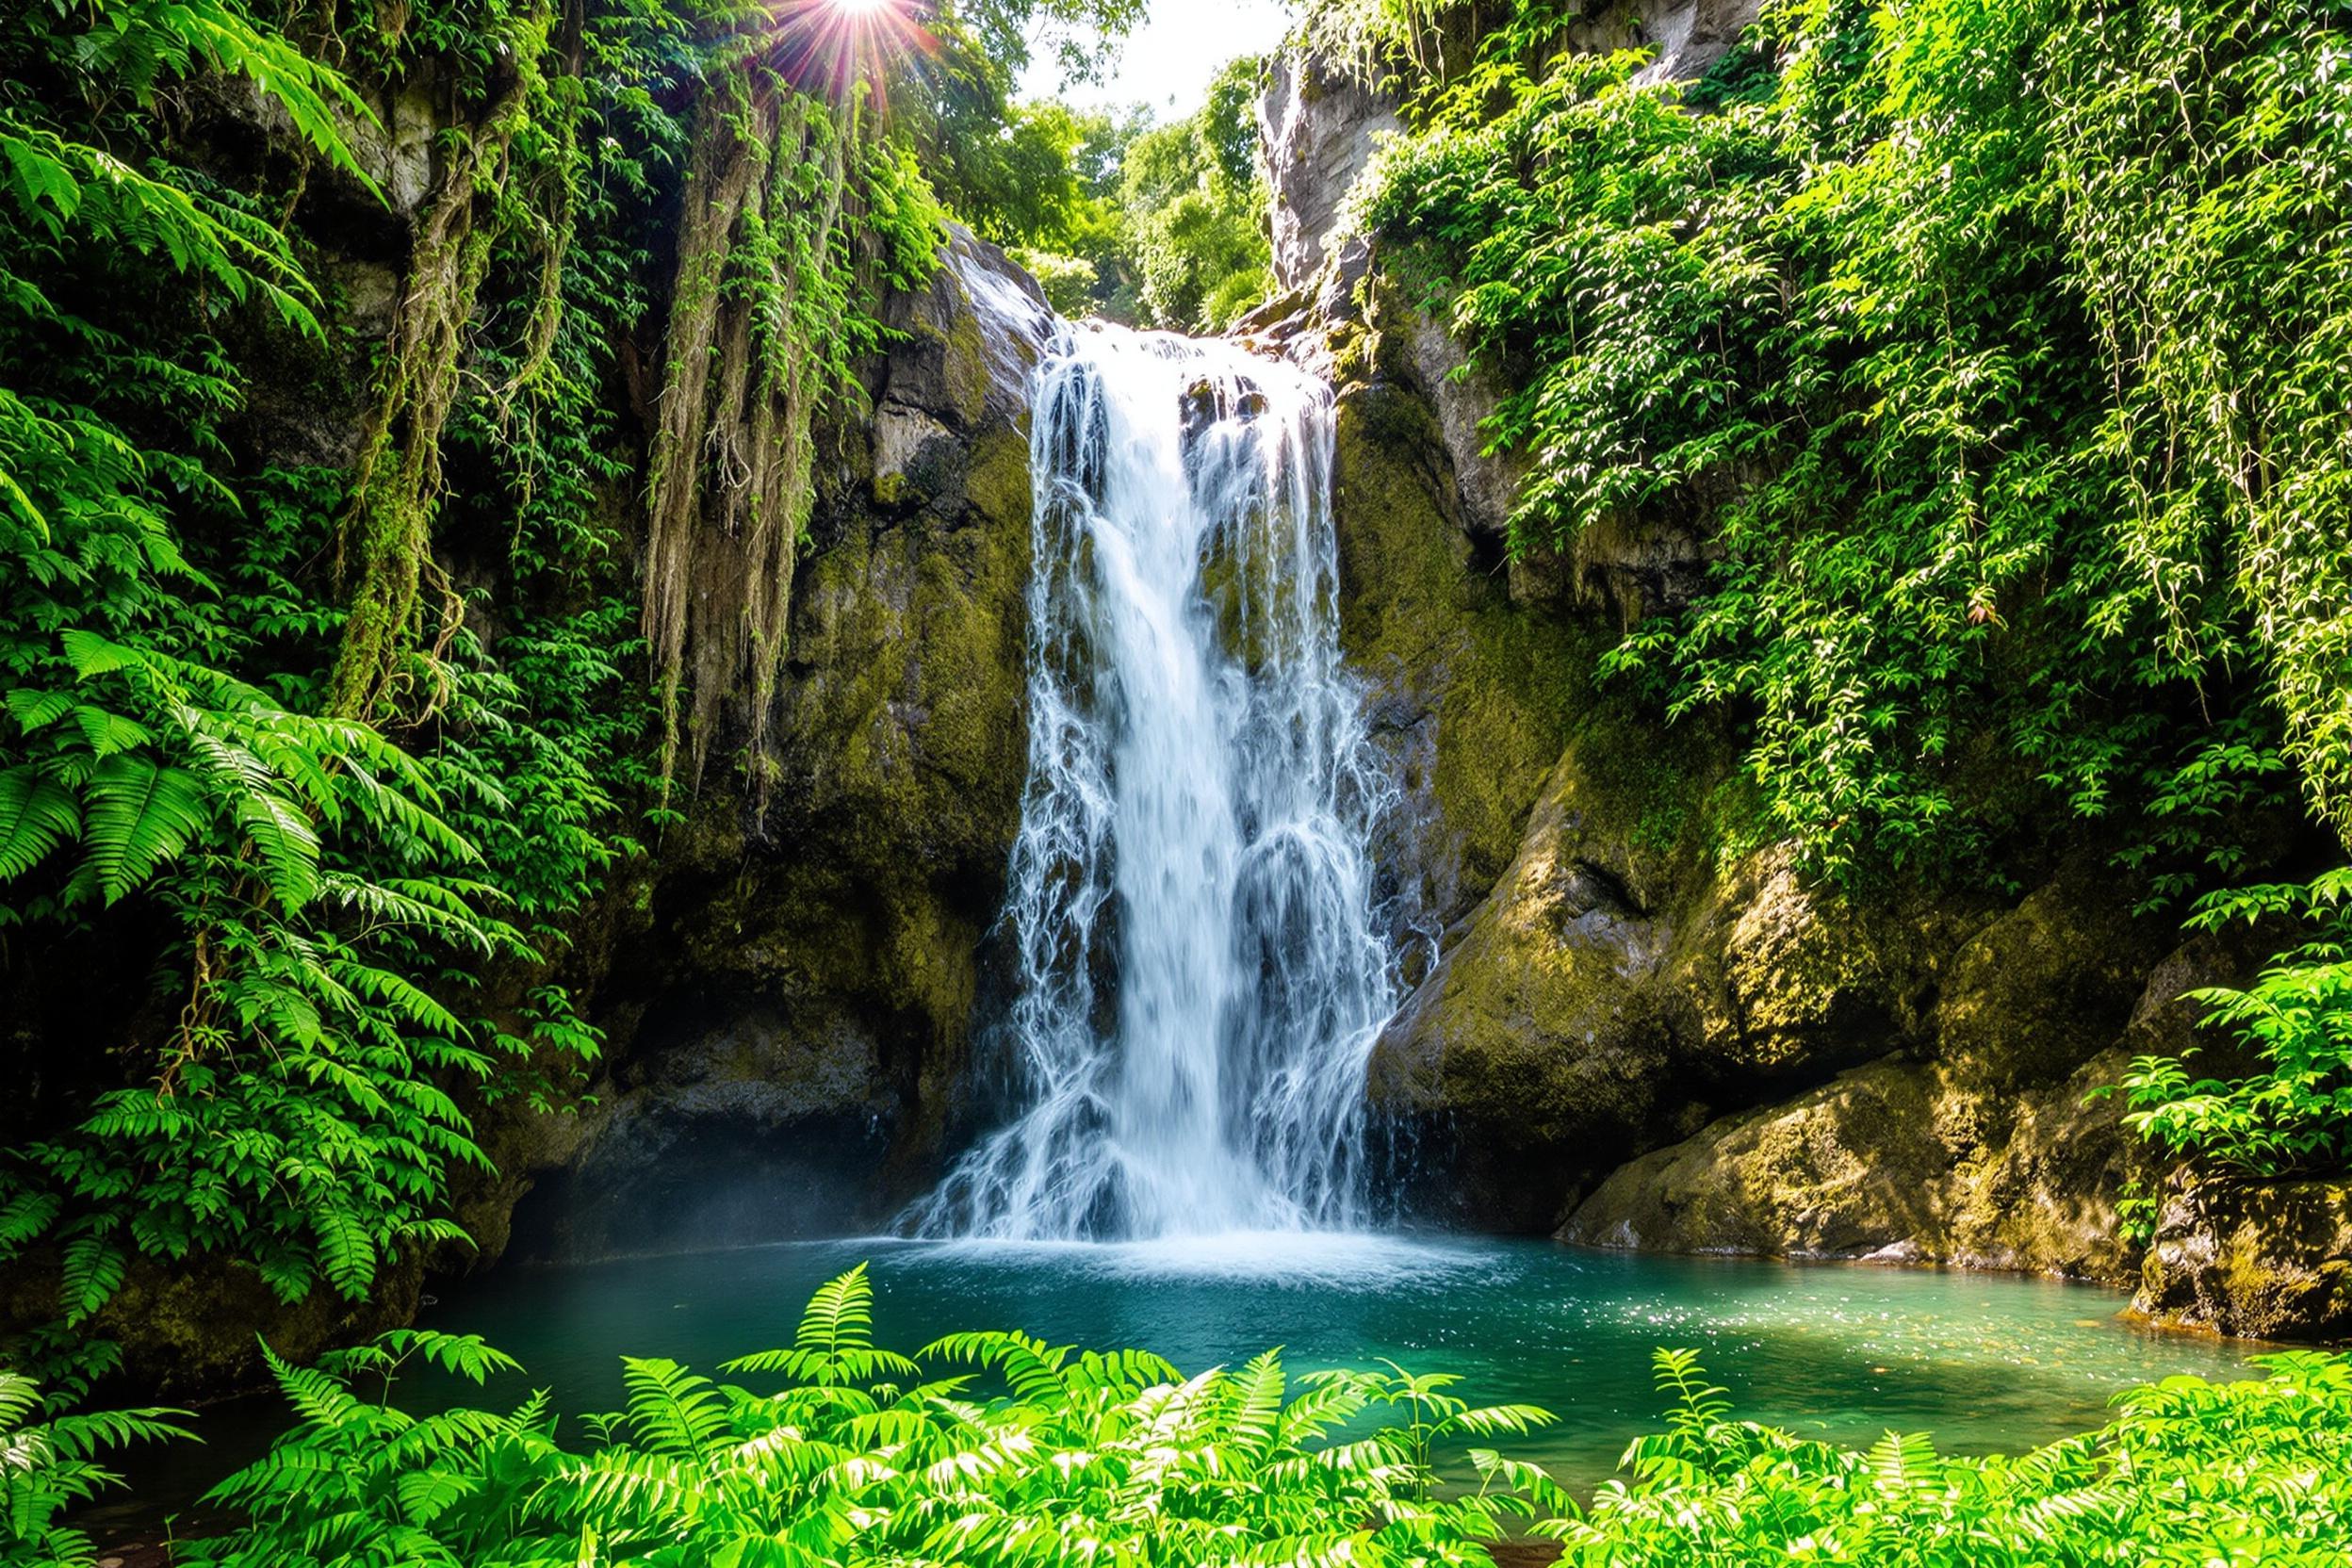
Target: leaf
[[37, 814], [139, 816], [288, 845], [90, 654], [35, 710], [93, 1272], [107, 733], [347, 1254]]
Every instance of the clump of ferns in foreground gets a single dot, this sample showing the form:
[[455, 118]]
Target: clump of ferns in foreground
[[995, 1449], [987, 1448], [2007, 338]]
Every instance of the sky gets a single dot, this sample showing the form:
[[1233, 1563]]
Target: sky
[[1169, 61]]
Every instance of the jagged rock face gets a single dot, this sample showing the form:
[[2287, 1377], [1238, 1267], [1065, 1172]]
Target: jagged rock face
[[1318, 129], [789, 1022], [1469, 692]]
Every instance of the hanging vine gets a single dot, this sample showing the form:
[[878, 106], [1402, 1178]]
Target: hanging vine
[[384, 554], [765, 318]]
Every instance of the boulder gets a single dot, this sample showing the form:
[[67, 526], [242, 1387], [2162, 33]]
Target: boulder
[[1990, 1143], [2262, 1259]]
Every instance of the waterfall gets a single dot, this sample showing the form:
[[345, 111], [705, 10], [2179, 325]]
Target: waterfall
[[1190, 904]]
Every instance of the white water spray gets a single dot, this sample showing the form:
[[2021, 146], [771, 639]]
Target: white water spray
[[1200, 978]]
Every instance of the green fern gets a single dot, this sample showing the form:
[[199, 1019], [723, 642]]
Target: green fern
[[1224, 1469], [37, 816], [49, 1464]]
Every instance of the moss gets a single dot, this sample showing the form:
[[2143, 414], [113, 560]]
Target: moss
[[1417, 614], [906, 744], [998, 485]]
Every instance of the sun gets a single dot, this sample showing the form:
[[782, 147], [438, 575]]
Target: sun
[[831, 45]]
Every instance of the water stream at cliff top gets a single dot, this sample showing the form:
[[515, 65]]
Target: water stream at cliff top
[[1198, 972]]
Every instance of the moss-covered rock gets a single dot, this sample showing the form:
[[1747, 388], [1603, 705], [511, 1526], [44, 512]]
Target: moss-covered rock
[[2263, 1260], [788, 1018], [1982, 1142], [1620, 980], [1471, 694], [1898, 1161]]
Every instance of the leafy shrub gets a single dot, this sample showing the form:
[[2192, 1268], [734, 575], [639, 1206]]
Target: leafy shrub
[[255, 735], [1194, 207], [2189, 1472], [49, 1462], [1911, 295], [2295, 1117]]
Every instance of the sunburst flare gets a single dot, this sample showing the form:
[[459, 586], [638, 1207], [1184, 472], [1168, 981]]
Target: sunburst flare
[[830, 46]]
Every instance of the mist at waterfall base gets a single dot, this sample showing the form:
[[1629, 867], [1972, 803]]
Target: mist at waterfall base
[[1193, 928]]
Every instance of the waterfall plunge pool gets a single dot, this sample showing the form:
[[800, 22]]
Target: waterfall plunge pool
[[1838, 1351]]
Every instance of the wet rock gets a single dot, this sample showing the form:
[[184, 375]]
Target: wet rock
[[1899, 1161], [1539, 1036], [734, 1122], [788, 1008]]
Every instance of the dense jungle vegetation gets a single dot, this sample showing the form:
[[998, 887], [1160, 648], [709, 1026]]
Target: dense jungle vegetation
[[258, 718], [2022, 324], [2022, 328]]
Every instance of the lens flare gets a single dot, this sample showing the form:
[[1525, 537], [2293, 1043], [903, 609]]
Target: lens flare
[[830, 46]]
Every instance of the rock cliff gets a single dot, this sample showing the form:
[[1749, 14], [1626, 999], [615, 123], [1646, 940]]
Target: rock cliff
[[791, 1004], [1633, 1024]]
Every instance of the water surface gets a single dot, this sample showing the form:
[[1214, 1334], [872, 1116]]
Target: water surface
[[1983, 1362]]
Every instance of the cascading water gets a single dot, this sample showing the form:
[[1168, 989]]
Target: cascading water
[[1190, 904]]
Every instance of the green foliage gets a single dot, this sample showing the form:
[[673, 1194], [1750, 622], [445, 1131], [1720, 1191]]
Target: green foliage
[[843, 1452], [2004, 344], [1159, 226], [1372, 38], [165, 746], [2188, 1472], [51, 1462], [1877, 291], [2295, 1116], [1195, 208], [994, 1449], [327, 837]]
